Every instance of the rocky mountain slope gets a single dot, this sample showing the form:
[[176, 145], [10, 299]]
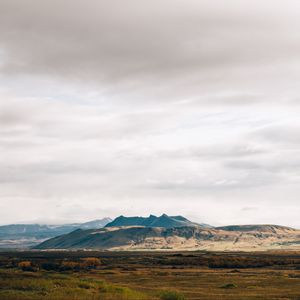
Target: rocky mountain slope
[[247, 238]]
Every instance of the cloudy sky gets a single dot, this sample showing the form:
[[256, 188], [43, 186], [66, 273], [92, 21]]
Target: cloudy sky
[[133, 107]]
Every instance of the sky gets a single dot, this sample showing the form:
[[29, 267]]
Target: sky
[[132, 107]]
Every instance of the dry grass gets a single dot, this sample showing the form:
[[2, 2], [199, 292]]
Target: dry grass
[[165, 276], [209, 284], [18, 285]]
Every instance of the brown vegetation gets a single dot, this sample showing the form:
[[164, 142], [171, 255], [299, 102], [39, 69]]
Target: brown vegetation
[[149, 275]]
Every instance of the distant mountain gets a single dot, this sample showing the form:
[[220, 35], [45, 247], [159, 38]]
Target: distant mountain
[[153, 221], [25, 235], [178, 238], [95, 223]]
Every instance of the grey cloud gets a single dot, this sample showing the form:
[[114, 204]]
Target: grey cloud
[[275, 165], [217, 151], [288, 133], [43, 119], [38, 172], [159, 50], [240, 182], [249, 208]]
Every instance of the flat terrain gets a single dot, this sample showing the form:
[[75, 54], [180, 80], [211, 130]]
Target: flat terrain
[[149, 275]]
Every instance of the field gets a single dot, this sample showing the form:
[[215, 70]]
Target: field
[[149, 275]]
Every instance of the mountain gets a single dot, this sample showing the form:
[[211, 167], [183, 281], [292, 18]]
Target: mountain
[[264, 228], [153, 221], [95, 223], [25, 235], [263, 237]]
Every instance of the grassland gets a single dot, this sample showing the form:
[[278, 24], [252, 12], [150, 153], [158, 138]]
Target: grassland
[[149, 275]]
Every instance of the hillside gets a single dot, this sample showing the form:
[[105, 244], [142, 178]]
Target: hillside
[[177, 238], [263, 228]]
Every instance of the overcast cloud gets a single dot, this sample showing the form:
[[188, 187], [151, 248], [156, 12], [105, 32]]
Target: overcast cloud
[[134, 107]]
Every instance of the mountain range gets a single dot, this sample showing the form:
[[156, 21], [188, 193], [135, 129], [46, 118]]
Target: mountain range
[[176, 233], [26, 235]]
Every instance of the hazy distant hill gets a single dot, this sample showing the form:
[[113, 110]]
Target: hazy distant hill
[[153, 221], [95, 223], [178, 238], [264, 228], [24, 235]]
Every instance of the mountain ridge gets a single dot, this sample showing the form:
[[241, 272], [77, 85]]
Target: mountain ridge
[[153, 221]]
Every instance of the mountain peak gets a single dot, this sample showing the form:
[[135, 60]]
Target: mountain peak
[[164, 221]]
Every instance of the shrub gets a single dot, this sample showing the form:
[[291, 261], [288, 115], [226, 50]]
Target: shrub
[[91, 262], [49, 266], [26, 266], [69, 265], [228, 286], [82, 264], [171, 295]]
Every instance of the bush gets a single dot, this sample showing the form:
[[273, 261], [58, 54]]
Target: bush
[[82, 264], [228, 286], [171, 295], [26, 266], [91, 262], [69, 266], [50, 266]]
